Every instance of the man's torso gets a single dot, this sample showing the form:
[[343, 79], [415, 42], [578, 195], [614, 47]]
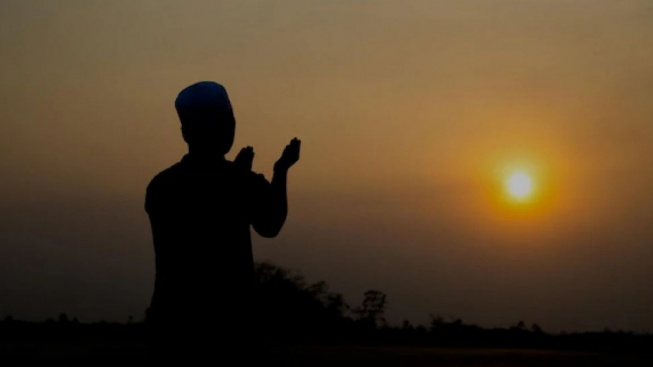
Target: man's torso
[[200, 215]]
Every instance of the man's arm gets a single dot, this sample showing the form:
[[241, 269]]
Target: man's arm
[[271, 211]]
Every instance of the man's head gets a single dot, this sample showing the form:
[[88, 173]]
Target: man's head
[[207, 119]]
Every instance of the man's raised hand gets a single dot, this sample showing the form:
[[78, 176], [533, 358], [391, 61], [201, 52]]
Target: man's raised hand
[[245, 158], [289, 156]]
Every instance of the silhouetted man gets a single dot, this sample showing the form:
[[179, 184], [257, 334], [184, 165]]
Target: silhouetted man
[[201, 210]]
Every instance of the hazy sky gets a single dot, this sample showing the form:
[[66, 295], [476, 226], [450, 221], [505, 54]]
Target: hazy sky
[[411, 114]]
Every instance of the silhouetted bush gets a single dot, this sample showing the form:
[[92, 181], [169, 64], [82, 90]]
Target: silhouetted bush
[[290, 310]]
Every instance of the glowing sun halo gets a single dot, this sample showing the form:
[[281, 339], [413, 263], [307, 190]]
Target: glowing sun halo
[[519, 185]]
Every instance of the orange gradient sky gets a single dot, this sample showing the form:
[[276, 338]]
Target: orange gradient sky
[[412, 115]]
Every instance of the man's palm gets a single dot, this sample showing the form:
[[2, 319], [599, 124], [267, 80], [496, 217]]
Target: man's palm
[[290, 155], [245, 158]]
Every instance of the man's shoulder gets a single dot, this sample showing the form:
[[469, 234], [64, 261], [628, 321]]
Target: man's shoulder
[[180, 172], [164, 177], [243, 175], [157, 187]]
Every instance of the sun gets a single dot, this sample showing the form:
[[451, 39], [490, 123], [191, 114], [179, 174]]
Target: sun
[[519, 186]]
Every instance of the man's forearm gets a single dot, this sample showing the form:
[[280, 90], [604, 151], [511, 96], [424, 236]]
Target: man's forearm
[[280, 196], [278, 205]]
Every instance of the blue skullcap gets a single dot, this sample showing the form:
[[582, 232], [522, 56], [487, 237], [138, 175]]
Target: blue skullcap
[[199, 99]]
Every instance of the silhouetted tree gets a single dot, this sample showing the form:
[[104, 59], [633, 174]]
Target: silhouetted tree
[[536, 329], [406, 325], [521, 326], [437, 322], [371, 310]]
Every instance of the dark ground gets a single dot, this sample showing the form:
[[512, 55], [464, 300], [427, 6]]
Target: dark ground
[[134, 354]]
